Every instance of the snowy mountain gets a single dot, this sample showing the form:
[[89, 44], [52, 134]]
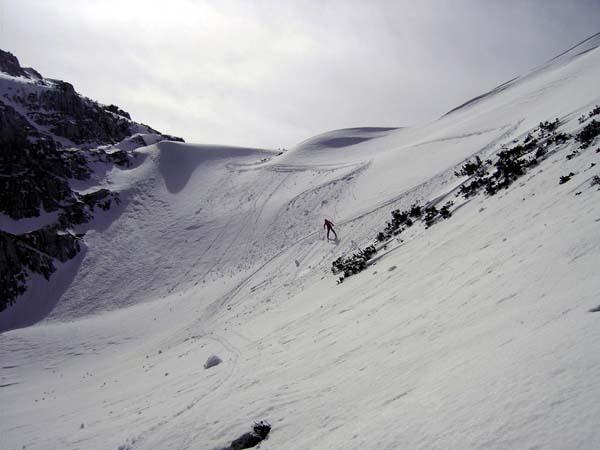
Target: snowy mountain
[[53, 141], [472, 329]]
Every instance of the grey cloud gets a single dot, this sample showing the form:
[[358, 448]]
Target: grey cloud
[[272, 73]]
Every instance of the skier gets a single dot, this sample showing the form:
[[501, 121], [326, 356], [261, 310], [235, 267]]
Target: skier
[[329, 225]]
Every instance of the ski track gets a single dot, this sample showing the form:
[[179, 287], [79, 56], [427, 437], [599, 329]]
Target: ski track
[[222, 302]]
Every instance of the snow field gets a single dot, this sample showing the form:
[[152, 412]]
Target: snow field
[[473, 334]]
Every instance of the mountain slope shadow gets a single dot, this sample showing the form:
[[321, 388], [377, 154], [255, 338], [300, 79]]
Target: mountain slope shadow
[[41, 296]]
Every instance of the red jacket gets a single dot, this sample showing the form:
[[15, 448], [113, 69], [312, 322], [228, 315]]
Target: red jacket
[[327, 224]]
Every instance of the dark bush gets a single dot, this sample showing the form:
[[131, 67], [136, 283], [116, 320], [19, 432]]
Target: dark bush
[[490, 186], [393, 227], [470, 168], [355, 263], [565, 178], [530, 145], [470, 189], [400, 216], [531, 162], [509, 167], [549, 126], [445, 210], [430, 214], [560, 138], [415, 210], [540, 151], [588, 134], [573, 154]]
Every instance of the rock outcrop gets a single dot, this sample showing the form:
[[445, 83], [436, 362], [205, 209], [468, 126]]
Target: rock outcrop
[[9, 64], [49, 135]]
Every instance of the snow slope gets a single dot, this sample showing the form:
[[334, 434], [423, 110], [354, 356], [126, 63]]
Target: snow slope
[[473, 334]]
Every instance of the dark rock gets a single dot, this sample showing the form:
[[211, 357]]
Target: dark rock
[[101, 198], [34, 252], [119, 157], [565, 178], [168, 137], [213, 360], [32, 74], [259, 433], [10, 64], [116, 110], [52, 241]]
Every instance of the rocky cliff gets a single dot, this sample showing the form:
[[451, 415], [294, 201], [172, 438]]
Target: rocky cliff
[[49, 137]]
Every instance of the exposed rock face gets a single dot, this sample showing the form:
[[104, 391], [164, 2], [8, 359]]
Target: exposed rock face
[[10, 64], [76, 118], [49, 135]]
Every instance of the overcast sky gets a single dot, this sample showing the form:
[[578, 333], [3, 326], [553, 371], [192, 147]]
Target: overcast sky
[[272, 73]]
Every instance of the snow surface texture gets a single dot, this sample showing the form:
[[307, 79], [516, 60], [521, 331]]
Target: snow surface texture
[[473, 334]]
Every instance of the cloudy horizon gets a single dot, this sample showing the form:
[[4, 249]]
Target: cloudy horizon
[[271, 74]]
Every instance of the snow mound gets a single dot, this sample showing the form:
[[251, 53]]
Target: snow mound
[[334, 147], [177, 161], [342, 138]]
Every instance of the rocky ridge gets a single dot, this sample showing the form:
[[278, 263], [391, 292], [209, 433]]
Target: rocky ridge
[[49, 137]]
